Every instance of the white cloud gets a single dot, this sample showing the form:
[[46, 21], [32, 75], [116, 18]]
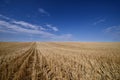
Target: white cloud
[[28, 25], [22, 27], [4, 17], [52, 27], [99, 21], [18, 28], [113, 31], [43, 12]]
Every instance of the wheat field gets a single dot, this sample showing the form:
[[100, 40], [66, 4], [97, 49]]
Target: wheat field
[[59, 61]]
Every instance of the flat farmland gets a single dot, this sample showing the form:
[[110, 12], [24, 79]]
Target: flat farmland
[[59, 60]]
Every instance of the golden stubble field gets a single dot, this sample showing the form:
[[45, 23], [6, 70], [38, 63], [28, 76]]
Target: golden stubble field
[[59, 61]]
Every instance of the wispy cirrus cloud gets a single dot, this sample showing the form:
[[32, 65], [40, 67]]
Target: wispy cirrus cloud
[[14, 26], [51, 27], [28, 25], [4, 17], [99, 21], [43, 12], [113, 31], [7, 26]]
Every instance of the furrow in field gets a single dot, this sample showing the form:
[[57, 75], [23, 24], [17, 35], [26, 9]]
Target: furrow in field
[[8, 69], [34, 65], [18, 63], [24, 71]]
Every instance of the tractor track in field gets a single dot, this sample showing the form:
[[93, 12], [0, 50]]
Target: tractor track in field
[[40, 66], [30, 65], [26, 69], [12, 66]]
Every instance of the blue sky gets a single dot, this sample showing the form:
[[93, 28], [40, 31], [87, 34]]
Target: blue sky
[[60, 20]]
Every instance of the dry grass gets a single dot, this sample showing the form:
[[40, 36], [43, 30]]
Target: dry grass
[[59, 61]]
